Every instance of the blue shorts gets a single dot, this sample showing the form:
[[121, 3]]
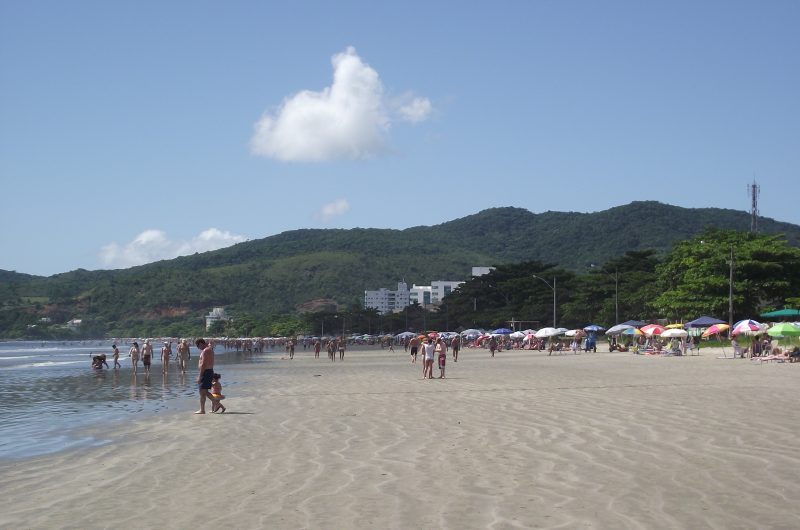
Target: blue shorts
[[206, 379]]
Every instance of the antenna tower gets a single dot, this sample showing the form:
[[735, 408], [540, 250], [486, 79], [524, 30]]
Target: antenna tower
[[753, 191]]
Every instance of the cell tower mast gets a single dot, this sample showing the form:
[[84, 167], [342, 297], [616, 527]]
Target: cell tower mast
[[753, 191]]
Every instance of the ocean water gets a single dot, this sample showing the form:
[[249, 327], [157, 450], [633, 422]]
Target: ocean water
[[50, 393]]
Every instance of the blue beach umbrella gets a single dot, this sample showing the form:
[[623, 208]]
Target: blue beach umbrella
[[502, 331]]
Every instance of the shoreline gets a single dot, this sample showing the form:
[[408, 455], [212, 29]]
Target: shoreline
[[605, 440]]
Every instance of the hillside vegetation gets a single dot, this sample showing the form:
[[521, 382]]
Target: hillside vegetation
[[277, 274]]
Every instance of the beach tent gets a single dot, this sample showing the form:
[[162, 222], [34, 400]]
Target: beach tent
[[704, 322], [781, 313]]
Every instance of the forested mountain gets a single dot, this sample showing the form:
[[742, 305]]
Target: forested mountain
[[276, 274]]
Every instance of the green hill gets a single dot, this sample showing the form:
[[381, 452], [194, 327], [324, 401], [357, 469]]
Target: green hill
[[279, 273]]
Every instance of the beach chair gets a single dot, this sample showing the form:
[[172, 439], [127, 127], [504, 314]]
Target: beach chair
[[740, 352]]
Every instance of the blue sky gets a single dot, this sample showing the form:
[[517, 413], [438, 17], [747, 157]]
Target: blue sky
[[136, 131]]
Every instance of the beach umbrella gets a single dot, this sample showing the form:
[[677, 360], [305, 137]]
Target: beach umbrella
[[619, 328], [517, 335], [675, 333], [704, 322], [635, 323], [675, 326], [529, 331], [716, 329], [502, 331], [748, 327], [782, 313], [593, 327], [632, 331], [784, 330], [652, 329], [548, 332], [471, 331], [575, 333]]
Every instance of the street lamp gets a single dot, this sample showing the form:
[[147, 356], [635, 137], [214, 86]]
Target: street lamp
[[553, 287]]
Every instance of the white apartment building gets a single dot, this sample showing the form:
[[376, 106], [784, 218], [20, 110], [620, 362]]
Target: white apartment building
[[480, 271], [218, 313], [386, 301], [433, 294]]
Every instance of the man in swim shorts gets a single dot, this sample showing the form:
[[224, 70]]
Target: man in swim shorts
[[147, 356], [183, 355], [414, 345], [456, 345], [205, 374]]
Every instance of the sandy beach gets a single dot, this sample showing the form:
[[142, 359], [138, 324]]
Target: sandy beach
[[519, 441]]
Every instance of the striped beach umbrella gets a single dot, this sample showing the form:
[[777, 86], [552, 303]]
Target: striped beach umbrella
[[748, 327]]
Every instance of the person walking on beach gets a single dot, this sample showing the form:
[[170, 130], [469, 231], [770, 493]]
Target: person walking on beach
[[427, 359], [342, 345], [134, 355], [147, 356], [183, 355], [166, 354], [492, 345], [456, 345], [115, 354], [414, 345], [291, 348], [205, 373], [317, 347]]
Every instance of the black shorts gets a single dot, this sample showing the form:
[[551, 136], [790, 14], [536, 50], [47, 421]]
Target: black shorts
[[413, 350], [206, 378], [146, 360]]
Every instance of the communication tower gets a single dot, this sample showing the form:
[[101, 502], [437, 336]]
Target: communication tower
[[753, 191]]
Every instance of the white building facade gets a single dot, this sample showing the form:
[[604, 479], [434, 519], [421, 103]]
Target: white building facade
[[216, 314], [480, 271], [386, 301]]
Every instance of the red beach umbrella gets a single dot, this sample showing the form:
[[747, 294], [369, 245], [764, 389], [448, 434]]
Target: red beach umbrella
[[652, 329]]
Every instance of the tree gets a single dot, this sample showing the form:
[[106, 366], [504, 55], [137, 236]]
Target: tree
[[624, 285], [695, 277]]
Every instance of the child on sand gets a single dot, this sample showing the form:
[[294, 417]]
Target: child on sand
[[442, 358], [216, 394]]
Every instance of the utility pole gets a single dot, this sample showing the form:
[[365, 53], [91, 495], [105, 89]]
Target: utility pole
[[754, 190], [730, 292]]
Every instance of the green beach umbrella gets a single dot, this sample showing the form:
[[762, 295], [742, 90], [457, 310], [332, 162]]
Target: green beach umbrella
[[784, 330], [782, 313]]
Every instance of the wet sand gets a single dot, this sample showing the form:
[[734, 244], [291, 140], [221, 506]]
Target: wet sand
[[519, 441]]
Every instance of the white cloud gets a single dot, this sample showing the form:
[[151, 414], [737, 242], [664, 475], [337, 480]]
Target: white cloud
[[417, 110], [332, 209], [349, 119], [153, 245]]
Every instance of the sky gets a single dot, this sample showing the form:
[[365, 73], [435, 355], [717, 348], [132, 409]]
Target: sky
[[137, 131]]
